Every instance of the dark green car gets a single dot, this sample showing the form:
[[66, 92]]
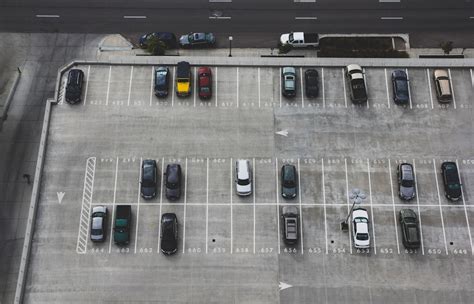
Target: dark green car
[[288, 181], [410, 229]]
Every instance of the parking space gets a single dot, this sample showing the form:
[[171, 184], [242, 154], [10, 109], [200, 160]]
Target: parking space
[[463, 88], [141, 86], [332, 80], [378, 86], [227, 87], [98, 85]]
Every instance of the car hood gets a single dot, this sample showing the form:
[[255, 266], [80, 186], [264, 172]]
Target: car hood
[[169, 246], [244, 189], [184, 39], [148, 191], [97, 237], [454, 193], [407, 192], [288, 192], [284, 38]]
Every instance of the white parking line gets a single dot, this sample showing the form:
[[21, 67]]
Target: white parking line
[[472, 77], [194, 88], [440, 209], [344, 86], [348, 204], [151, 85], [452, 88], [324, 206], [108, 87], [161, 203], [215, 85], [174, 84], [418, 207], [237, 87], [429, 87], [279, 92], [409, 91], [366, 87], [278, 200], [464, 205], [371, 206], [113, 206], [258, 76], [322, 87], [130, 89], [302, 93], [86, 206], [185, 196], [138, 203], [301, 208], [87, 85], [393, 204], [386, 87], [207, 202], [231, 215], [254, 190]]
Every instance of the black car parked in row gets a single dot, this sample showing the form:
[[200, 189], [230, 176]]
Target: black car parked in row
[[311, 83], [173, 181], [162, 81], [169, 233], [452, 185], [406, 181], [148, 182], [400, 87], [410, 228], [75, 78], [288, 181]]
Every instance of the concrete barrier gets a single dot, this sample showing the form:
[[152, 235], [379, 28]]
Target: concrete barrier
[[9, 98]]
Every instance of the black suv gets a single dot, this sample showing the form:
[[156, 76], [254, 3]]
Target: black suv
[[173, 181], [311, 82], [290, 224], [169, 233], [410, 228], [148, 179], [452, 185], [288, 181], [75, 79]]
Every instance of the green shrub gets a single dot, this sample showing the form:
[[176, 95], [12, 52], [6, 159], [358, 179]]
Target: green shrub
[[155, 46]]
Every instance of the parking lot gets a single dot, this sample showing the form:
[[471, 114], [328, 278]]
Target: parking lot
[[233, 245]]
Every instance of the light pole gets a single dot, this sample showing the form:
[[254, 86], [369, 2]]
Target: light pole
[[230, 46], [357, 197]]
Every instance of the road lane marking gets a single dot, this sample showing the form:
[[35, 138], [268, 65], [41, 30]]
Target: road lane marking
[[161, 203], [87, 194], [108, 87], [418, 207], [348, 205], [113, 206], [207, 202], [222, 17], [306, 18], [185, 196], [254, 190], [452, 88], [386, 87], [231, 215], [87, 85], [465, 210], [371, 206], [220, 1], [47, 16], [409, 91], [393, 204], [324, 204], [322, 84], [440, 209], [391, 18], [151, 86], [301, 208], [130, 86], [301, 81], [344, 86], [429, 87], [389, 1], [134, 17], [258, 76], [278, 200], [138, 203]]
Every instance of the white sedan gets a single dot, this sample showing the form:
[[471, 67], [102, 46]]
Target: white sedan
[[360, 228]]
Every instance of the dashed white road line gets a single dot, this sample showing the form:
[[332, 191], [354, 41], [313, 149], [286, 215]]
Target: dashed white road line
[[418, 207], [237, 87], [87, 85], [185, 196], [254, 190], [386, 87], [344, 86], [223, 17], [322, 87], [138, 203], [465, 209], [306, 18], [161, 203], [409, 91], [194, 87], [391, 18], [134, 17], [440, 209], [113, 206], [47, 16], [393, 204], [231, 209], [151, 85], [207, 202], [324, 204], [278, 202], [452, 88], [174, 86], [348, 204], [371, 206], [258, 76], [302, 91], [301, 208], [108, 87], [429, 87], [130, 89]]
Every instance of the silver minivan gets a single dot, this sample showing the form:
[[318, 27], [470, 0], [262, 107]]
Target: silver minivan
[[243, 177], [442, 85]]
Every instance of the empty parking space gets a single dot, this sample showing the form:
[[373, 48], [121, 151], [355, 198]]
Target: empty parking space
[[419, 81], [313, 219], [426, 182], [386, 230], [248, 87], [462, 88], [141, 85], [383, 181], [119, 85], [194, 229], [219, 229], [269, 89], [227, 88], [219, 176], [334, 88], [98, 85], [197, 182], [311, 181], [243, 228], [457, 235], [433, 231], [147, 227], [377, 87]]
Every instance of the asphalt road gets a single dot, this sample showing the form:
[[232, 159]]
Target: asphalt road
[[262, 19]]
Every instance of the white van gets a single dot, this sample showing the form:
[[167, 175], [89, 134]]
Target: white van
[[243, 177]]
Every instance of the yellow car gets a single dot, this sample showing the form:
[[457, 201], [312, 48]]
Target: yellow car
[[183, 79]]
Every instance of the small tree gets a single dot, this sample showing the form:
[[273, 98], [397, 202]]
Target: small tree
[[155, 46], [446, 46]]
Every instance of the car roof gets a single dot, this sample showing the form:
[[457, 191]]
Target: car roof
[[289, 171], [362, 228], [172, 172], [440, 73], [243, 173], [407, 171]]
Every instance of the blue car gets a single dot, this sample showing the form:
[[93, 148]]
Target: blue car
[[168, 38], [400, 87], [197, 40]]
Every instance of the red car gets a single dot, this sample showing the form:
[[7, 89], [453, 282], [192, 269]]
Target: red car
[[205, 83]]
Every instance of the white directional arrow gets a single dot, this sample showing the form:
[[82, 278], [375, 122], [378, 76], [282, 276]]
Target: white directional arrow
[[284, 286], [60, 196], [283, 133]]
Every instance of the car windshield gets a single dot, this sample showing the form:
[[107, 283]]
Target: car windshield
[[454, 186], [243, 182], [413, 234], [172, 185], [148, 176], [96, 231], [407, 183], [289, 83], [205, 90], [363, 236], [402, 86], [183, 79], [168, 233], [360, 220]]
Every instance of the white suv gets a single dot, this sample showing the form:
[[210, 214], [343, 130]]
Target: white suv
[[360, 228], [243, 177]]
